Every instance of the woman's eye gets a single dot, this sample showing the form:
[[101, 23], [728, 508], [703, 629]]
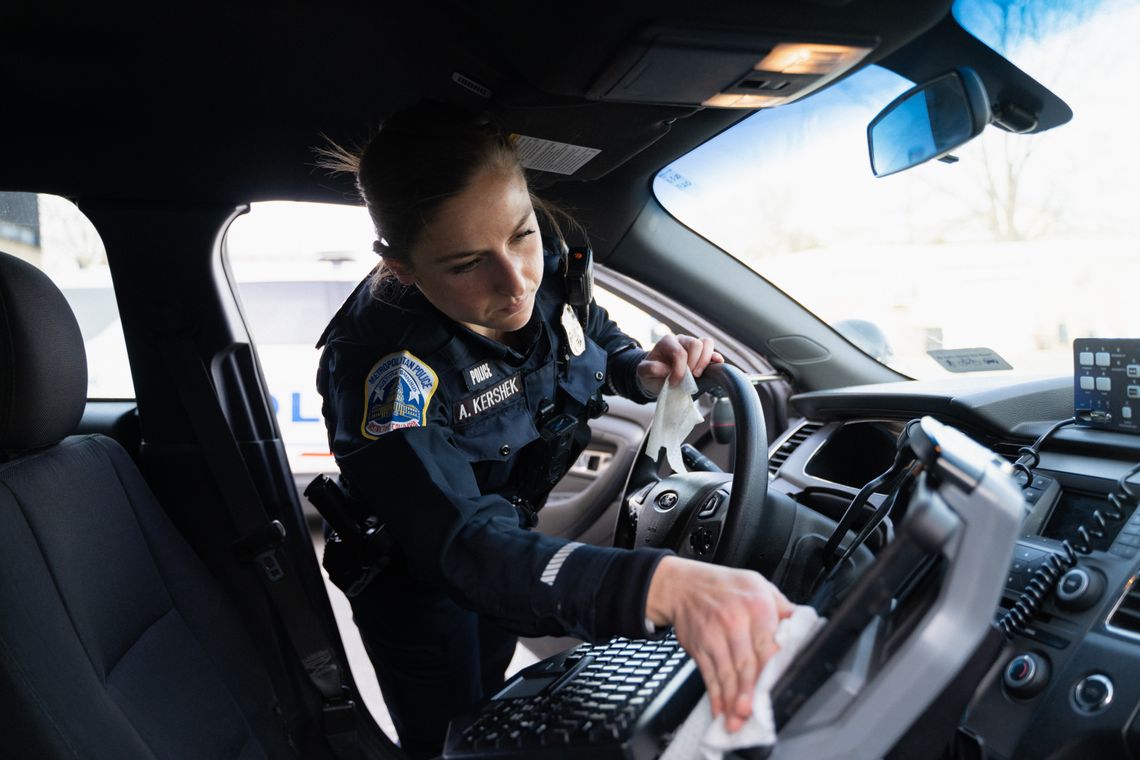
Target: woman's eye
[[466, 266], [523, 234]]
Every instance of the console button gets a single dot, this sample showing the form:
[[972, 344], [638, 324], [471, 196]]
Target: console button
[[1134, 391], [1081, 587], [1086, 358], [1087, 383], [1093, 693], [1132, 370], [1126, 412], [1104, 384], [1020, 670], [1103, 359], [1026, 675]]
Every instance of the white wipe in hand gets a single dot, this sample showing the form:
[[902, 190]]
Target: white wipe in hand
[[702, 738], [676, 415]]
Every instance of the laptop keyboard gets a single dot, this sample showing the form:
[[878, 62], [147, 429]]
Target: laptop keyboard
[[622, 699]]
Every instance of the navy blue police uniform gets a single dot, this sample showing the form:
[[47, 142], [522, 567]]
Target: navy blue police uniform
[[453, 440]]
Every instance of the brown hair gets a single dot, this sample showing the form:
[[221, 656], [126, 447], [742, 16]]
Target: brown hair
[[418, 159]]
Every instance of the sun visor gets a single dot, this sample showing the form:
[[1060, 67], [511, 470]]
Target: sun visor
[[725, 68], [583, 141]]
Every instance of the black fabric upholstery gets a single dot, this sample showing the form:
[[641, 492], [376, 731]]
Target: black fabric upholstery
[[43, 366], [115, 641]]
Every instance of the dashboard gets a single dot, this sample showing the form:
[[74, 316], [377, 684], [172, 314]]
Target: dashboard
[[1066, 684]]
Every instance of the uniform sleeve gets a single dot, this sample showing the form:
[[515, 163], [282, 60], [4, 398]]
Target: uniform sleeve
[[471, 544], [624, 354]]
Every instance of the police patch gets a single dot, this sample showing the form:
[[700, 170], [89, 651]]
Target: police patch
[[492, 398], [396, 394]]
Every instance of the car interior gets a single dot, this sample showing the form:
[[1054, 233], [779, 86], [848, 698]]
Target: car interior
[[962, 515]]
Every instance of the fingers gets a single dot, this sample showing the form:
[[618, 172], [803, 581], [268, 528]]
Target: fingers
[[745, 667], [678, 359], [671, 355], [707, 667], [651, 374], [784, 608], [727, 620], [680, 351]]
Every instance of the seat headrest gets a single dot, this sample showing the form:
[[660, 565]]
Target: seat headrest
[[43, 365]]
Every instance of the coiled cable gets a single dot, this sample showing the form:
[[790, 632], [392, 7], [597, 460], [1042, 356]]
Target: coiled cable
[[1029, 603]]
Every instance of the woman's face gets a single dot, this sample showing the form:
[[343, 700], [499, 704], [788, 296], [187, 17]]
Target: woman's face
[[480, 259]]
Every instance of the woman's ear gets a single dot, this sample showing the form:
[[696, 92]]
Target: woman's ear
[[402, 271]]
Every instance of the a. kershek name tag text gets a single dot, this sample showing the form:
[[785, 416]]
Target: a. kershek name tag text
[[485, 401]]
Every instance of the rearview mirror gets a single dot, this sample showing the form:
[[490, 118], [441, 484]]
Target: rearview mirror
[[927, 121]]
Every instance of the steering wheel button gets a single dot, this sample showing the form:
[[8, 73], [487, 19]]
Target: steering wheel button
[[711, 504], [667, 500]]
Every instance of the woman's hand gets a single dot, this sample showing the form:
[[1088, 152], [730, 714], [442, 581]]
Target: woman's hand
[[726, 620], [670, 357]]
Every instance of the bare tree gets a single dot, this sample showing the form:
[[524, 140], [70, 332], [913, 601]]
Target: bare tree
[[1013, 207]]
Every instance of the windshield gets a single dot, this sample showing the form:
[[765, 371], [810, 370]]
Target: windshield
[[1025, 243]]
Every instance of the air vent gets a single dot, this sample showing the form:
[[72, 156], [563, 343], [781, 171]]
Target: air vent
[[780, 455], [1008, 449], [1125, 618]]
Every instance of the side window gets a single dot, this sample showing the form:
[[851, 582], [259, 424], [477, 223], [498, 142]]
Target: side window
[[294, 264], [633, 320], [52, 234]]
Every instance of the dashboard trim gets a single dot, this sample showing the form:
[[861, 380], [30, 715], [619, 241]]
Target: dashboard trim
[[1133, 635]]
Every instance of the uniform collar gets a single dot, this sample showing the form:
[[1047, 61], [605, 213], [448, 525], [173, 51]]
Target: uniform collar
[[528, 334]]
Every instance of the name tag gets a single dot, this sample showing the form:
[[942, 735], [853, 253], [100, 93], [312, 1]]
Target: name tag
[[485, 401]]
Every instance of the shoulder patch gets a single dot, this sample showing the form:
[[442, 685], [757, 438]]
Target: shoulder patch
[[397, 391]]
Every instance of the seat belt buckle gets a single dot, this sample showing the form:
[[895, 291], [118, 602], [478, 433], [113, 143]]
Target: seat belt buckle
[[338, 716], [261, 546]]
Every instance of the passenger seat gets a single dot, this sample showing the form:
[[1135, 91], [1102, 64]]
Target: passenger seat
[[115, 642]]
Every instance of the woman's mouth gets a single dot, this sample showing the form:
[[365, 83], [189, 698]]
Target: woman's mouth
[[514, 308]]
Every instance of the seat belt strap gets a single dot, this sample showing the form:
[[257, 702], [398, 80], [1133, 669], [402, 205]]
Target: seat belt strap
[[260, 540]]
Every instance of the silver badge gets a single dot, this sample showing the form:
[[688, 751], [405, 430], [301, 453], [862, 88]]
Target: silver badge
[[573, 329]]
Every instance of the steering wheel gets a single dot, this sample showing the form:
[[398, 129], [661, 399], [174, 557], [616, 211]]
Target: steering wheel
[[719, 517]]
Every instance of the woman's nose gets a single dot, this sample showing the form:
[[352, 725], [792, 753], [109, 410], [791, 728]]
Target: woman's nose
[[511, 275]]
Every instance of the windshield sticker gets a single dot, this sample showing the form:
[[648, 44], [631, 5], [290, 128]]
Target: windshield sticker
[[675, 178], [480, 403], [968, 359], [396, 394], [551, 156]]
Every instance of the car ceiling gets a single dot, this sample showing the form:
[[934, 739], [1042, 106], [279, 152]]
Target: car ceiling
[[191, 105]]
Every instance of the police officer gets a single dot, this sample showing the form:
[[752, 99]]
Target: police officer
[[457, 381]]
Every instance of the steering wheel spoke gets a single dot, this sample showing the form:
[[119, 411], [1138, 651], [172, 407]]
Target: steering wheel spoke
[[676, 513]]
